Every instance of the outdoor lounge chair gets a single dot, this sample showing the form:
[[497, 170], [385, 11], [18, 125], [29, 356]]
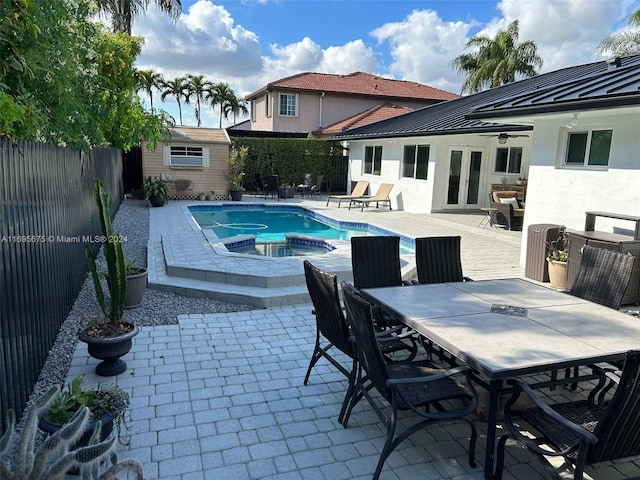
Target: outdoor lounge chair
[[509, 211], [580, 431], [358, 191], [428, 391], [381, 197], [332, 326]]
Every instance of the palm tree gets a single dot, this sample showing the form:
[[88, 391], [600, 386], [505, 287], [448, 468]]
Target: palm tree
[[122, 12], [237, 105], [148, 80], [221, 94], [177, 88], [498, 60], [198, 87], [623, 44]]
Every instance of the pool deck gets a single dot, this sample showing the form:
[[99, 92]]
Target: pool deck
[[186, 260], [221, 396]]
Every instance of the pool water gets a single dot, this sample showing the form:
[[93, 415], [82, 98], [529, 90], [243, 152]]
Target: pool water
[[270, 224]]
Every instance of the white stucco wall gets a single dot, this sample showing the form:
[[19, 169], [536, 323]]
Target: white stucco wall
[[562, 195], [426, 196]]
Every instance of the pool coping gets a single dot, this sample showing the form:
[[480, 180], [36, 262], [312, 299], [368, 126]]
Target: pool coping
[[186, 259]]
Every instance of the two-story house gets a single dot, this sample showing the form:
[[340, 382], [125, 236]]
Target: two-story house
[[310, 102]]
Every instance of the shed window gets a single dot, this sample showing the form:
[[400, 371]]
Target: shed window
[[187, 157]]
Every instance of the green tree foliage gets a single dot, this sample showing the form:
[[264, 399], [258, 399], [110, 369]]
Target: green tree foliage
[[65, 80], [123, 12], [497, 61], [289, 158], [623, 43]]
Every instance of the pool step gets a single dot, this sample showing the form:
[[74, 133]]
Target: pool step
[[262, 282]]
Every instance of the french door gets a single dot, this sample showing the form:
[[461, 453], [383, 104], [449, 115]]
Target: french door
[[464, 188]]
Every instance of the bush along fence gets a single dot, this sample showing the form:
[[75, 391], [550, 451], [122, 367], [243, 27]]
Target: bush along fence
[[292, 158], [47, 214]]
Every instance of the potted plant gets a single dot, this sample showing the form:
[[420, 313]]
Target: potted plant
[[155, 190], [110, 338], [557, 257], [521, 181], [61, 452], [136, 285], [106, 403], [235, 173]]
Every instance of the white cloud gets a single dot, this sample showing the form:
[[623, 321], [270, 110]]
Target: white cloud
[[422, 47]]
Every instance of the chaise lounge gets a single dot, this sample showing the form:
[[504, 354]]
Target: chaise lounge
[[358, 191], [381, 197]]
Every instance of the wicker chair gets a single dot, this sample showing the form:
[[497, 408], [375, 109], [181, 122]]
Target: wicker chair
[[332, 326], [415, 386], [581, 432], [603, 277], [438, 260], [506, 214]]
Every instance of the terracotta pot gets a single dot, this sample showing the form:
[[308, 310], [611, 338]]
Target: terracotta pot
[[557, 274]]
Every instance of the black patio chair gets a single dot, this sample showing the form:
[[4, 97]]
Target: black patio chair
[[603, 277], [438, 260], [271, 187], [582, 432], [258, 184], [332, 327], [376, 263], [432, 393]]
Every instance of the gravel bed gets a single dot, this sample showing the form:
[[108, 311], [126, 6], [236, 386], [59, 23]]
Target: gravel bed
[[158, 308]]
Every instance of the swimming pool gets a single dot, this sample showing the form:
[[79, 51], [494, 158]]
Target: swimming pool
[[275, 224]]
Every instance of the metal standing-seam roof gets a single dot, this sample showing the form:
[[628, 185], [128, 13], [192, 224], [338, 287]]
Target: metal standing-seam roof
[[573, 87]]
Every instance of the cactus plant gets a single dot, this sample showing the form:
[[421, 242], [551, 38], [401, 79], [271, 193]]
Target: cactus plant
[[116, 268], [58, 453]]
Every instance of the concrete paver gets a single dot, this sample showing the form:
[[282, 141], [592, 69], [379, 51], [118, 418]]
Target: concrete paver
[[221, 395]]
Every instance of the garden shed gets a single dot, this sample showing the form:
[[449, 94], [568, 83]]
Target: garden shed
[[194, 163]]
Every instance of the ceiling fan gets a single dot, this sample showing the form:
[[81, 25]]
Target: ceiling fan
[[502, 137]]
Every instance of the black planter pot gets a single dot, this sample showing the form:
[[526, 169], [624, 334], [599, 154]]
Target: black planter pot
[[109, 350], [236, 195], [156, 201], [136, 284], [107, 427]]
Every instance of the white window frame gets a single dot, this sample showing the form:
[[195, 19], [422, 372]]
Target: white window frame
[[414, 161], [288, 112], [267, 105], [374, 149], [587, 154], [508, 169], [171, 153]]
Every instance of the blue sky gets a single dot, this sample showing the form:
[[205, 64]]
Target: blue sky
[[248, 43]]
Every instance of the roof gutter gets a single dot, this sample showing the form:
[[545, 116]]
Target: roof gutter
[[435, 133]]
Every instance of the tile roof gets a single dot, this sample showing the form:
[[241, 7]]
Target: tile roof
[[464, 115], [357, 83], [373, 114]]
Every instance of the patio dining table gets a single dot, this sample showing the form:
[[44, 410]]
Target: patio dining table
[[509, 328]]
